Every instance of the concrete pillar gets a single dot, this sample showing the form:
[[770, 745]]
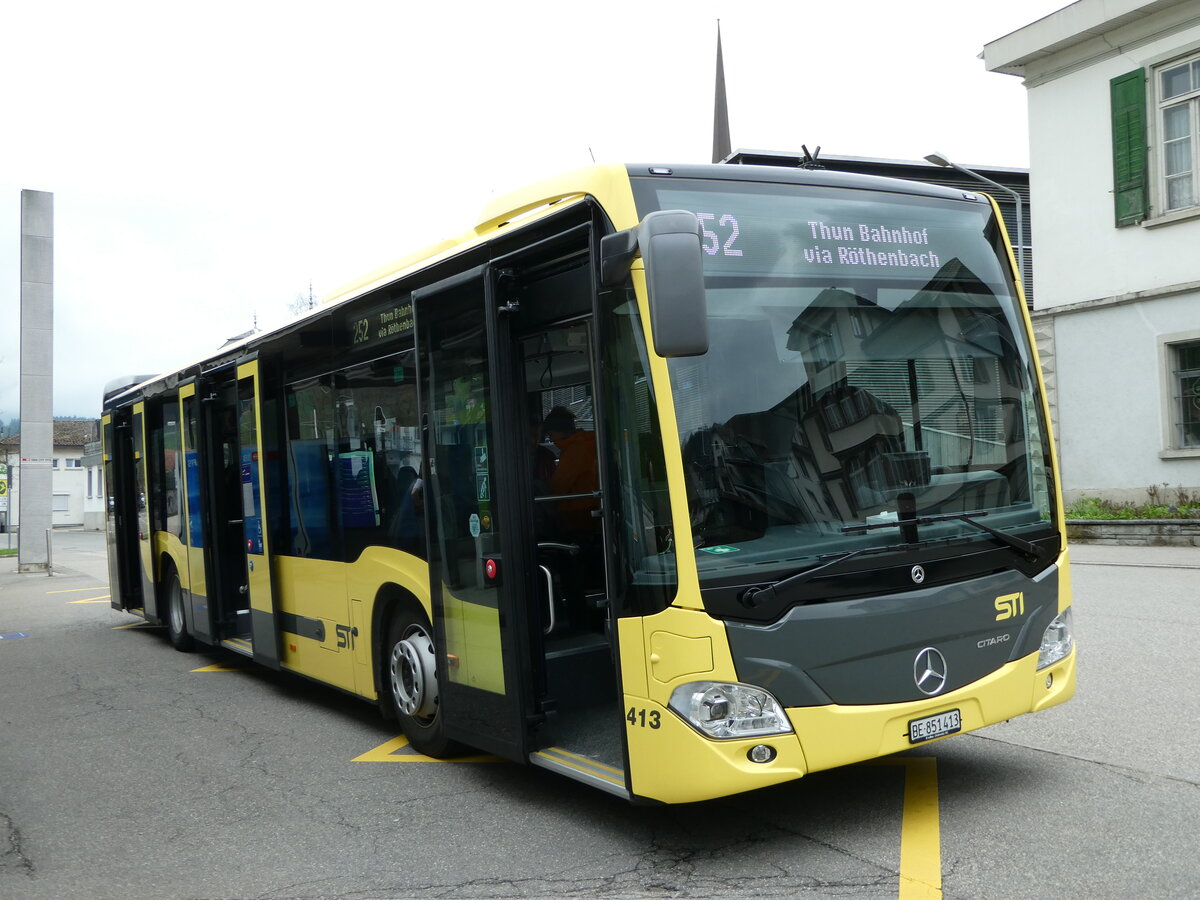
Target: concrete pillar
[[35, 513]]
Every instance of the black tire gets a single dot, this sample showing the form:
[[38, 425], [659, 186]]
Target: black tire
[[410, 681], [176, 623]]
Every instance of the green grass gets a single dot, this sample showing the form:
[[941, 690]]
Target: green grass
[[1097, 508], [8, 551]]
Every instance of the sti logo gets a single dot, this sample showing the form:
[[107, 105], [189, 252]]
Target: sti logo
[[1010, 605]]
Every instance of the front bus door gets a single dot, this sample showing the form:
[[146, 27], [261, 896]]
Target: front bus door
[[479, 552]]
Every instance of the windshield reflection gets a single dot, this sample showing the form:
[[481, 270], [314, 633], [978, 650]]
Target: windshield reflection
[[822, 406]]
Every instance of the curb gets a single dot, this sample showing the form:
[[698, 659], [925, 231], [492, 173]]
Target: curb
[[1135, 532]]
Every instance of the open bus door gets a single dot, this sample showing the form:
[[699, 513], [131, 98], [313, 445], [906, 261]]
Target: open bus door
[[480, 562], [520, 609], [127, 517], [241, 609]]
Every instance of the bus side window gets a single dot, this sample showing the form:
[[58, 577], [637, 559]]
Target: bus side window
[[309, 458], [353, 461]]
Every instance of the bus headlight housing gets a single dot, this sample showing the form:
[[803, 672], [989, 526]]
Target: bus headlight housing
[[722, 709], [1056, 640]]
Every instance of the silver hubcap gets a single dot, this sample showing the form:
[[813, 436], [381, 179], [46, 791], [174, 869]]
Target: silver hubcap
[[413, 673], [175, 608]]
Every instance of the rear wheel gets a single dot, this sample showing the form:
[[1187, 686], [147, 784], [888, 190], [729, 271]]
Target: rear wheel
[[176, 624], [411, 681]]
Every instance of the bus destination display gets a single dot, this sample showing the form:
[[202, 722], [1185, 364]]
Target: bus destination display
[[827, 243], [384, 322], [777, 235], [833, 243], [870, 245]]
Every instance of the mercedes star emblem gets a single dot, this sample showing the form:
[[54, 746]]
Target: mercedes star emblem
[[918, 574], [929, 671]]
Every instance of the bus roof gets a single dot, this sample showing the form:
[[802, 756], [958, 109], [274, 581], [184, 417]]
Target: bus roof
[[818, 177]]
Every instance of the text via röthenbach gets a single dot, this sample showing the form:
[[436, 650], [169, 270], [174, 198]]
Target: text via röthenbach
[[849, 251]]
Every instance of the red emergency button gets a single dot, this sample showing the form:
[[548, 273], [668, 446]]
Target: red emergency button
[[492, 569]]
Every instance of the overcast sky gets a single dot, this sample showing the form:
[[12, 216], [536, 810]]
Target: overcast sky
[[209, 161]]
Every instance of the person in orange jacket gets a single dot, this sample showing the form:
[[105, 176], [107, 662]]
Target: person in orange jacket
[[577, 471]]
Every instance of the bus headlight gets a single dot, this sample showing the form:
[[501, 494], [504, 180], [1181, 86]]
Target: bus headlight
[[1056, 640], [720, 709]]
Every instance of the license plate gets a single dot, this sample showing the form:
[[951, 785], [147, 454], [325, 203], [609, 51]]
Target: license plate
[[930, 727]]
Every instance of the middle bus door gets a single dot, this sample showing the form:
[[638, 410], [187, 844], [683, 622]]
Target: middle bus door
[[241, 602], [479, 549], [256, 475]]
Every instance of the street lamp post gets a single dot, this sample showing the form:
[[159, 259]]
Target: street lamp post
[[939, 160]]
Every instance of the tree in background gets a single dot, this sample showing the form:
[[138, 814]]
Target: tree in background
[[302, 304]]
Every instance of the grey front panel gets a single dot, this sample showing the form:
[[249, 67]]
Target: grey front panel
[[864, 651]]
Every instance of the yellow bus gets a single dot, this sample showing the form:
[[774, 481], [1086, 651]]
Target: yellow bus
[[679, 481]]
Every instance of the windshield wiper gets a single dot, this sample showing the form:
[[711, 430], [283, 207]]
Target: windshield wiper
[[1029, 549], [759, 594]]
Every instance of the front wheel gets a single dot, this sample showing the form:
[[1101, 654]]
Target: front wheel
[[413, 686], [176, 624]]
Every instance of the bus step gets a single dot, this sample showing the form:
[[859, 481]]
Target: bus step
[[238, 645], [581, 768]]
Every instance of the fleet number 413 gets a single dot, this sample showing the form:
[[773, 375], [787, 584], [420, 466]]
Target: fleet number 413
[[640, 718]]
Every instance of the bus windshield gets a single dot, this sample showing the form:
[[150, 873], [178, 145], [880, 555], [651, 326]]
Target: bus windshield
[[868, 365]]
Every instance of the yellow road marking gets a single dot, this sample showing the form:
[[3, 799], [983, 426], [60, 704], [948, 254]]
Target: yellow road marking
[[220, 667], [920, 829], [72, 591], [140, 624], [398, 750], [105, 599]]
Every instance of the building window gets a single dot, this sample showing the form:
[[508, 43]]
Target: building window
[[1178, 95], [1185, 382], [62, 503], [74, 463]]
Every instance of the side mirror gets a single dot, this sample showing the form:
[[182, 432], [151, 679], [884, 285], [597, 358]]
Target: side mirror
[[670, 243]]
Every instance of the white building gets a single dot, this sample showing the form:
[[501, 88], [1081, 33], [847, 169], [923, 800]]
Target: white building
[[76, 481], [1114, 132]]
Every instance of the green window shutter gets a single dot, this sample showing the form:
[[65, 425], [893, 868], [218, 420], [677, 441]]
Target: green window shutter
[[1128, 94]]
